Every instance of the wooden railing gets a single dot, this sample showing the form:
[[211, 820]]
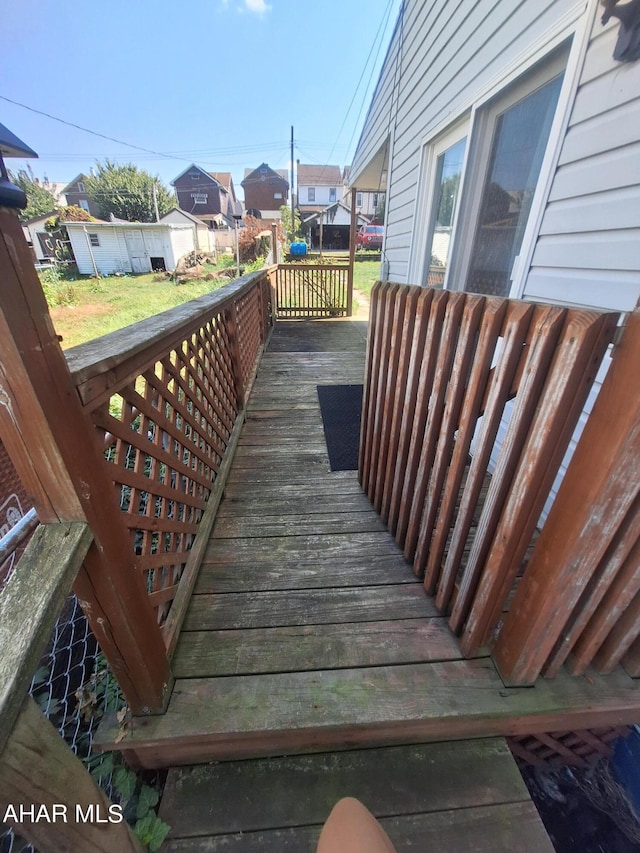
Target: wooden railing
[[313, 290], [166, 398], [446, 373]]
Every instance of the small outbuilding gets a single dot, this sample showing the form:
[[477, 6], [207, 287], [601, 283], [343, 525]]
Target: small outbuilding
[[129, 247], [205, 236]]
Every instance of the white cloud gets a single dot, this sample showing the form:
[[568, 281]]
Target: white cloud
[[257, 6]]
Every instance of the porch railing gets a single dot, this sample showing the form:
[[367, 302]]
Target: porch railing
[[447, 375], [318, 290], [166, 397]]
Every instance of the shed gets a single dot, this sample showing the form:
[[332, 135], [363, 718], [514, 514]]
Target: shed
[[205, 238], [336, 225], [138, 247]]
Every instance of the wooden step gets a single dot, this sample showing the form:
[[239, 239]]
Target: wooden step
[[446, 796], [286, 713]]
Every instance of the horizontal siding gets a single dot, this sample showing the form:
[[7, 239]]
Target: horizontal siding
[[620, 125], [608, 169], [602, 289], [617, 250], [110, 256], [450, 53], [613, 210]]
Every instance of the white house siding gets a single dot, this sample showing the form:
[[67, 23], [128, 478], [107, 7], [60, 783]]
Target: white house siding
[[450, 53], [588, 250], [181, 242], [110, 256]]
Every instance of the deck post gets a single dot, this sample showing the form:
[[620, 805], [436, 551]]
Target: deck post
[[352, 253], [56, 452], [555, 610]]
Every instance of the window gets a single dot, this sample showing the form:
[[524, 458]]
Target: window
[[94, 240], [358, 199], [80, 186], [311, 194], [447, 157], [332, 194], [481, 177], [375, 200], [507, 146], [84, 204], [194, 176], [199, 198], [277, 195]]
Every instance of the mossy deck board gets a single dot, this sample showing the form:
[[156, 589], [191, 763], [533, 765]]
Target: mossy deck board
[[416, 791]]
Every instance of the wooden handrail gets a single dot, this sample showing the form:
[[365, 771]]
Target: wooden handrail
[[102, 364]]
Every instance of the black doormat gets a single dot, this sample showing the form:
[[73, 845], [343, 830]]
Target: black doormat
[[341, 406]]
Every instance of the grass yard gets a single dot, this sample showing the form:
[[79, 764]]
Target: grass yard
[[87, 308], [84, 308]]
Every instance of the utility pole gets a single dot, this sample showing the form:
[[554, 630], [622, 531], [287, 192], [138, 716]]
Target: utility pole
[[293, 212], [155, 203]]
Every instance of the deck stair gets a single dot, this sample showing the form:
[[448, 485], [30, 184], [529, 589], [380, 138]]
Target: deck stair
[[307, 631], [465, 795]]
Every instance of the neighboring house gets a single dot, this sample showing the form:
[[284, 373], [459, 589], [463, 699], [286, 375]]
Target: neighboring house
[[121, 247], [204, 237], [318, 187], [38, 238], [336, 226], [76, 194], [507, 139], [368, 203], [208, 195], [265, 190]]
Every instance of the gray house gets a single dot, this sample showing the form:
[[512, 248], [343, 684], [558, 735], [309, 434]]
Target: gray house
[[507, 138]]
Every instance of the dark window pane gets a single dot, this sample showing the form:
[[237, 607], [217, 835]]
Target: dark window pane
[[519, 142]]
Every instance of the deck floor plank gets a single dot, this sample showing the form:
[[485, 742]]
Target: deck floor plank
[[307, 630]]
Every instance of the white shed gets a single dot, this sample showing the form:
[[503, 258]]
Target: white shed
[[138, 247], [204, 235]]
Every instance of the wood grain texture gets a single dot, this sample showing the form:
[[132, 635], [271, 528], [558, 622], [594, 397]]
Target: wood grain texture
[[246, 716], [29, 606], [307, 607], [401, 780], [592, 503], [37, 768], [297, 649], [492, 829]]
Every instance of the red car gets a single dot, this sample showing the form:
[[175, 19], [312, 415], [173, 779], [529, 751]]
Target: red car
[[370, 237]]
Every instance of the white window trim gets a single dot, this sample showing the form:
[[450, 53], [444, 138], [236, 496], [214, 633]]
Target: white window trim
[[84, 204], [576, 22], [94, 240], [199, 198], [418, 261]]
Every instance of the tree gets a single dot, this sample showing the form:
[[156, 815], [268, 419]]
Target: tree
[[127, 192], [39, 199], [285, 222]]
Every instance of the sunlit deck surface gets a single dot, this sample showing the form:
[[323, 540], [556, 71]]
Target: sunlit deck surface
[[308, 633]]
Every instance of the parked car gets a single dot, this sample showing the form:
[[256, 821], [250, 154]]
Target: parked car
[[370, 237]]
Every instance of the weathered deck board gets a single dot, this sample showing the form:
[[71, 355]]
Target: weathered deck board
[[416, 790], [300, 648], [288, 713], [308, 631], [492, 829], [307, 607], [318, 573]]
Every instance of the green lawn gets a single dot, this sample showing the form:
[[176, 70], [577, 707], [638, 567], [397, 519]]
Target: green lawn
[[83, 308]]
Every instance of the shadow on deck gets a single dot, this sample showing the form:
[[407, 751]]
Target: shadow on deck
[[308, 632]]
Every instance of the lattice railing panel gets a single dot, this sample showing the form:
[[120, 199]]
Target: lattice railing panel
[[575, 749], [165, 436], [166, 414]]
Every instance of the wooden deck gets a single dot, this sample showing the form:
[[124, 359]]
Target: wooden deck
[[307, 630]]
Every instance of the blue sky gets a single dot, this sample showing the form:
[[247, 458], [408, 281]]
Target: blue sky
[[216, 82]]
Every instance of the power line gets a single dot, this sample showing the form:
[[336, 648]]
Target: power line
[[87, 130]]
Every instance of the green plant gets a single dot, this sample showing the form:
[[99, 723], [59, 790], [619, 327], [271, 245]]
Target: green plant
[[138, 799]]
